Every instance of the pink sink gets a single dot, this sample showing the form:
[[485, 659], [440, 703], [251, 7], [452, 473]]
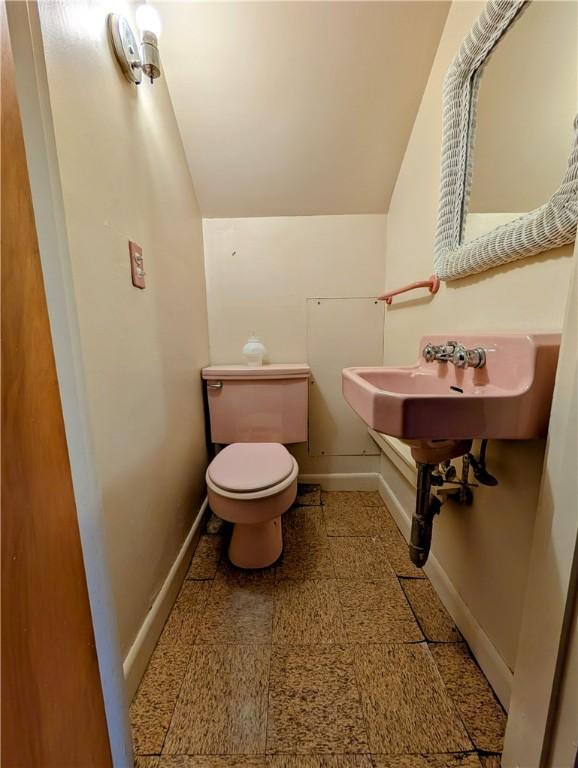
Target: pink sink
[[509, 397]]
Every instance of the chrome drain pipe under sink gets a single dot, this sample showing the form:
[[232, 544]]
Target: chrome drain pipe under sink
[[426, 507]]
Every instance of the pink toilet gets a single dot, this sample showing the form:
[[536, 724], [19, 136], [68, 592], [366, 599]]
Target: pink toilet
[[253, 480]]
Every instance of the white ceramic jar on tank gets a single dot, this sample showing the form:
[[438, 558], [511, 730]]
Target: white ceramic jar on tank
[[254, 351]]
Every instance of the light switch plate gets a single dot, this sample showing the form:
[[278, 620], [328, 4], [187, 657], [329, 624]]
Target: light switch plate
[[136, 265]]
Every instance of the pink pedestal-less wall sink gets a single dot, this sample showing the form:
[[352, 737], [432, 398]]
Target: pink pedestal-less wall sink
[[436, 406]]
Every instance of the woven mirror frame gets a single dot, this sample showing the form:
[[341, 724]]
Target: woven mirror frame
[[549, 226]]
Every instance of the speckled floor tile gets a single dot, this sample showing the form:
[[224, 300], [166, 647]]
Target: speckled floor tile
[[154, 702], [307, 612], [184, 618], [491, 761], [314, 703], [146, 761], [239, 610], [371, 498], [355, 521], [376, 521], [319, 761], [341, 499], [427, 761], [222, 706], [312, 662], [359, 557], [398, 555], [434, 620], [306, 553], [405, 703], [227, 572], [307, 512], [213, 761], [377, 612], [308, 495], [206, 558], [482, 714]]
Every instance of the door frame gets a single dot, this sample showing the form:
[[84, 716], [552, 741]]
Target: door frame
[[47, 199], [553, 571]]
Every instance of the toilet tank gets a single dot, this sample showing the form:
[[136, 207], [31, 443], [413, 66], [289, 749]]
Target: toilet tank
[[258, 405]]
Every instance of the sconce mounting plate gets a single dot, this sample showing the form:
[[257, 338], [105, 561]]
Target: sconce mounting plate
[[125, 47]]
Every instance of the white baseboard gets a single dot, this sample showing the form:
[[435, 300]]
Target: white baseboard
[[140, 651], [343, 481], [490, 661]]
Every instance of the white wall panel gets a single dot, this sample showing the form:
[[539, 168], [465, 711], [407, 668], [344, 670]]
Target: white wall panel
[[340, 333]]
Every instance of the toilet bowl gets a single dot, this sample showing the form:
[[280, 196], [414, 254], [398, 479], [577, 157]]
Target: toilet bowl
[[254, 412], [251, 485]]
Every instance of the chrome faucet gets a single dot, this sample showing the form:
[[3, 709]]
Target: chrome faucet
[[455, 353], [440, 353]]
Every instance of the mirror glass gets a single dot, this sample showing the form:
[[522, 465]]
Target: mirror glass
[[527, 101]]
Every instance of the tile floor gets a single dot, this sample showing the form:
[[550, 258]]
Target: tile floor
[[339, 656]]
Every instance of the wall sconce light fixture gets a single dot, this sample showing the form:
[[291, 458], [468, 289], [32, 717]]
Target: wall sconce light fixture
[[135, 59]]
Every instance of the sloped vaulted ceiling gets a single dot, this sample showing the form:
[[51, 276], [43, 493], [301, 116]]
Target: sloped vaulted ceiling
[[297, 108]]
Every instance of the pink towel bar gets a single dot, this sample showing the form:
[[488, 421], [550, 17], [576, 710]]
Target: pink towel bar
[[432, 284]]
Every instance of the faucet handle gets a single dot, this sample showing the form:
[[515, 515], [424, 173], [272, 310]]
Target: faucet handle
[[477, 357], [460, 356], [429, 353], [469, 358]]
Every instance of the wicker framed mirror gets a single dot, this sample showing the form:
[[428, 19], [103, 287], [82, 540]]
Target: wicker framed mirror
[[551, 224]]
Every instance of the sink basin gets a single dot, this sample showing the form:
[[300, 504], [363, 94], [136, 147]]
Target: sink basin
[[509, 398]]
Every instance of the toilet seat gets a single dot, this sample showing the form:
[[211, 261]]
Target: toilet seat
[[251, 470]]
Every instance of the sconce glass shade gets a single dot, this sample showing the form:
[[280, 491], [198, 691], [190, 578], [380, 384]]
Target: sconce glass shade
[[151, 62], [149, 23], [148, 20]]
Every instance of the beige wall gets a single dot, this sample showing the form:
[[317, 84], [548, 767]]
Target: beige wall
[[297, 108], [484, 549], [260, 272], [124, 176]]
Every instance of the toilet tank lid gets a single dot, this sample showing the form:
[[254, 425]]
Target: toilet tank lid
[[270, 371]]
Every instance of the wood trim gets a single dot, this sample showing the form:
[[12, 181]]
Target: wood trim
[[52, 705]]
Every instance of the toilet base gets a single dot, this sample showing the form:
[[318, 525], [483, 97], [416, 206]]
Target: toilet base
[[256, 545], [257, 539]]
